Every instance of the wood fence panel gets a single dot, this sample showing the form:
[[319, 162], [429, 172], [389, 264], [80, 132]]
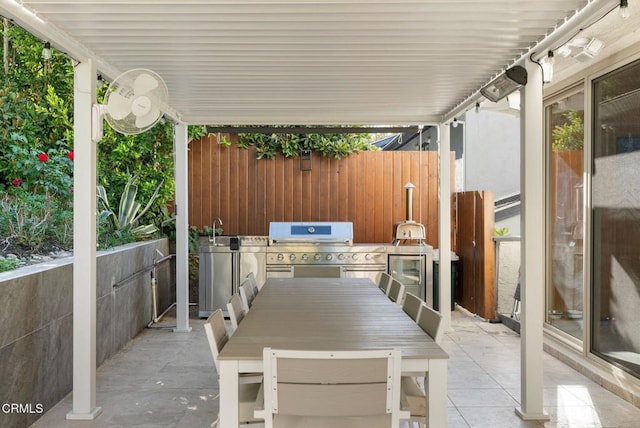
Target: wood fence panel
[[475, 247], [366, 189], [565, 206]]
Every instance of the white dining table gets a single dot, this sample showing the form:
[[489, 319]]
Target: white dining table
[[329, 314]]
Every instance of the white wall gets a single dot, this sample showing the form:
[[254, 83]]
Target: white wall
[[492, 158], [492, 152]]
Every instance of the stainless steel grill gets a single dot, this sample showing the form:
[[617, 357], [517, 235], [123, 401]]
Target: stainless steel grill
[[321, 244], [311, 233]]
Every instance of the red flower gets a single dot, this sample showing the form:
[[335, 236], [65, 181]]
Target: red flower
[[43, 157], [16, 182], [70, 155]]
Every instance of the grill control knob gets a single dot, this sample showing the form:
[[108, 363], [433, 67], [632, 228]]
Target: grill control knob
[[292, 257], [316, 257], [340, 256], [329, 256], [355, 256], [368, 256], [305, 257], [280, 257]]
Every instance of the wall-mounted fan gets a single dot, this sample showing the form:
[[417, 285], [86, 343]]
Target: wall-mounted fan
[[132, 103]]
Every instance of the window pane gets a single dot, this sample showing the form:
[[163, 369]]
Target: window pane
[[616, 218], [566, 187]]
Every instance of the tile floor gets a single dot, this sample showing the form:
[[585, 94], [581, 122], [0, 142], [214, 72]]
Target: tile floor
[[165, 379]]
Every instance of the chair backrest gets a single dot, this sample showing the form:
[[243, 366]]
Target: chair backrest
[[412, 305], [317, 271], [332, 384], [236, 310], [431, 322], [383, 282], [396, 291], [254, 282], [246, 294], [217, 336]]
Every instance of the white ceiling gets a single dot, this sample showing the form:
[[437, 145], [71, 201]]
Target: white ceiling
[[331, 62]]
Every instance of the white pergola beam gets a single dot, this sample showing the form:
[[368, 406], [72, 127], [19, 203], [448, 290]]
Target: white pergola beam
[[181, 141], [532, 182], [84, 247]]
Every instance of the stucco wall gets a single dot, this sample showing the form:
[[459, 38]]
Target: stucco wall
[[36, 322], [492, 152], [509, 265]]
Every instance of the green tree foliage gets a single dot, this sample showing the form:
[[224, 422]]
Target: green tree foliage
[[36, 149], [569, 135]]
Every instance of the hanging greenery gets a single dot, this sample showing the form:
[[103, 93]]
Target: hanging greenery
[[290, 145]]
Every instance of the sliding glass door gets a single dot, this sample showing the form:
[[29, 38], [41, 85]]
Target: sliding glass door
[[565, 178], [616, 218]]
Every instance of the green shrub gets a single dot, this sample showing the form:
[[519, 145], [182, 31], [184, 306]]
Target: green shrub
[[8, 264], [26, 218]]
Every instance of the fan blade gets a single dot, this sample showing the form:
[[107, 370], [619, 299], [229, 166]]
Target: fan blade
[[148, 119], [144, 83], [118, 106]]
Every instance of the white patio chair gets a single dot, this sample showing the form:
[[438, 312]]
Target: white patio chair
[[396, 291], [412, 305], [249, 386], [331, 389], [246, 294], [236, 311], [431, 322], [254, 283], [383, 282]]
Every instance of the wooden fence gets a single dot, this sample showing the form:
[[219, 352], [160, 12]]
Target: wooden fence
[[366, 189], [475, 226]]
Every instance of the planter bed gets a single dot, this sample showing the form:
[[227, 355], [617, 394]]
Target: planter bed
[[36, 322]]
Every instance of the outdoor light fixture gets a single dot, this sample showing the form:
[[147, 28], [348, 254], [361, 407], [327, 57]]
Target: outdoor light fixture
[[46, 51], [455, 123], [505, 83], [623, 11], [547, 67], [592, 48], [305, 160], [587, 48]]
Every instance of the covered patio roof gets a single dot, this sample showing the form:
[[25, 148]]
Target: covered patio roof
[[266, 62], [324, 62]]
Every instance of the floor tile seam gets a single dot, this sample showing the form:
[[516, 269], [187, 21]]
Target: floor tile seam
[[502, 387], [458, 410]]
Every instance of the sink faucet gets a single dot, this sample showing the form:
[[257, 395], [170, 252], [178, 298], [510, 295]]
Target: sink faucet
[[213, 236]]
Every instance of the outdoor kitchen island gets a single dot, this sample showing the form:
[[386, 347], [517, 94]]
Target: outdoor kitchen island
[[226, 263]]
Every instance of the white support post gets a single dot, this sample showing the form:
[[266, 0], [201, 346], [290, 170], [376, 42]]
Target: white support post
[[84, 247], [181, 141], [532, 264], [444, 224]]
